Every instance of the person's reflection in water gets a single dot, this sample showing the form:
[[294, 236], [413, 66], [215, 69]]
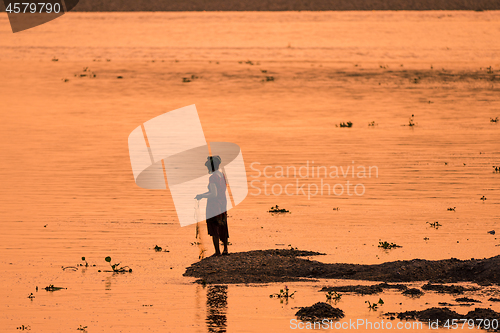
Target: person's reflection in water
[[216, 308]]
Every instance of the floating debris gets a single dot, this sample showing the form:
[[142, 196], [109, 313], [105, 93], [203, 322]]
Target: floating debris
[[86, 72], [117, 269], [82, 328], [70, 267], [333, 295], [51, 287], [435, 225], [284, 293], [276, 209], [22, 328], [374, 306], [160, 249], [451, 209], [190, 79], [348, 124], [86, 263], [411, 121], [387, 245]]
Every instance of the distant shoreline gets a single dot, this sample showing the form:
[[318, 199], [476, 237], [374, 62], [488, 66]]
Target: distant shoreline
[[282, 5]]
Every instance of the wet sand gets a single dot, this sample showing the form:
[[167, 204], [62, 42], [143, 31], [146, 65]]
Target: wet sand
[[287, 265]]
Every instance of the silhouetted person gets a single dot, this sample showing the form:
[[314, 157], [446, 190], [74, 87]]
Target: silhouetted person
[[216, 204]]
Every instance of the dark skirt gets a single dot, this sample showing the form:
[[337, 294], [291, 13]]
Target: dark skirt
[[217, 226]]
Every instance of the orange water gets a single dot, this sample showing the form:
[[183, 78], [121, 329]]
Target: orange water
[[68, 190]]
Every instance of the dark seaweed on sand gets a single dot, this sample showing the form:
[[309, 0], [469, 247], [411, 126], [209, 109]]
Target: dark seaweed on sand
[[445, 314], [365, 289], [282, 265], [466, 300], [452, 289], [413, 292], [318, 312]]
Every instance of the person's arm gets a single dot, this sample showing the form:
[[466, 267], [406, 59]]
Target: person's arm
[[212, 192]]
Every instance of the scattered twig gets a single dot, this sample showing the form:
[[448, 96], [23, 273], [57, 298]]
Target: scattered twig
[[374, 306], [117, 269]]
